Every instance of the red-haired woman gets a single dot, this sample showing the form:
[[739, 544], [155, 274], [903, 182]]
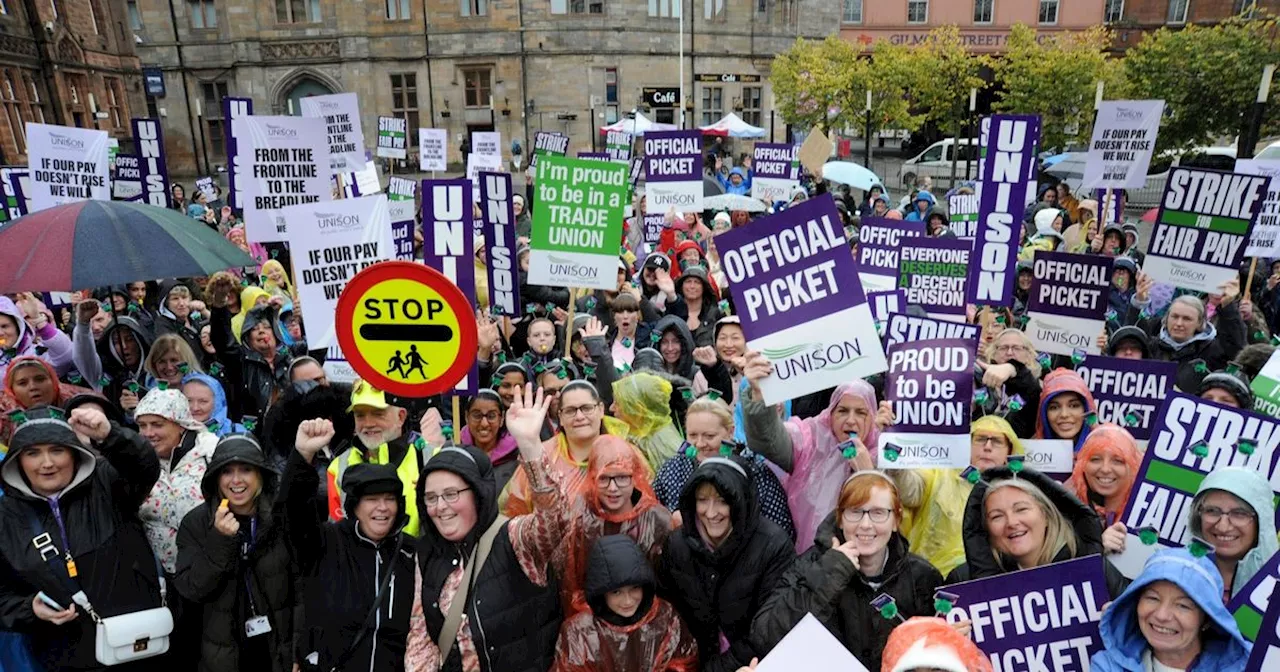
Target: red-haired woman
[[857, 555]]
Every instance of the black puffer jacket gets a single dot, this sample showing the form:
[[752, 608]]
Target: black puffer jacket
[[213, 569], [722, 590], [113, 365], [513, 621], [980, 562], [256, 380], [342, 570], [115, 566], [1214, 345], [823, 582]]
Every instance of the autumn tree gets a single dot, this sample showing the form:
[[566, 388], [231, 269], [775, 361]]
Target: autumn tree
[[944, 71], [825, 83]]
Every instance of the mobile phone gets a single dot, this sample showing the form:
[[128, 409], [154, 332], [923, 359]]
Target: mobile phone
[[49, 601]]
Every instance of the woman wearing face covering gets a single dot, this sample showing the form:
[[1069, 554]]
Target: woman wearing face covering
[[502, 609], [87, 505], [721, 566]]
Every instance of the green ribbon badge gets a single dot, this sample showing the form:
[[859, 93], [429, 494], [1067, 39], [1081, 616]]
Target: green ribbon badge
[[1149, 536], [688, 450], [892, 452], [1200, 449], [1246, 446]]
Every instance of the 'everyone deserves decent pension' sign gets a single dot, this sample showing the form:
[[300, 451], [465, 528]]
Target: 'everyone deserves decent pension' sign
[[930, 385], [800, 301], [1036, 619], [1192, 438], [934, 273], [1205, 220], [1067, 301], [577, 226]]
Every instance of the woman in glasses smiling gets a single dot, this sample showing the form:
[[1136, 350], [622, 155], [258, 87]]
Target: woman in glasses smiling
[[857, 555], [486, 430], [1233, 511]]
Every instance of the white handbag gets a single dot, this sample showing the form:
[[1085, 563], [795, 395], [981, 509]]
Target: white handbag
[[129, 637]]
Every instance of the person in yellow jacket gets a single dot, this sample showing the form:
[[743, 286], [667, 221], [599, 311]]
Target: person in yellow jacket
[[379, 439], [933, 500]]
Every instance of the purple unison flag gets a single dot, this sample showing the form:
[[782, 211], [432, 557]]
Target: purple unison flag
[[930, 385], [1265, 656], [1129, 392], [448, 244], [903, 328], [1010, 152], [233, 108], [879, 240], [1036, 619], [934, 271], [1067, 302], [1114, 214], [149, 141], [499, 241]]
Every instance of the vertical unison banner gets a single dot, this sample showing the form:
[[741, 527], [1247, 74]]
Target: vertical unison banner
[[498, 210], [149, 144], [448, 244], [232, 109], [1007, 170]]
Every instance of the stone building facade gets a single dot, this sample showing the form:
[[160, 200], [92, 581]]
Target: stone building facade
[[68, 62], [514, 66]]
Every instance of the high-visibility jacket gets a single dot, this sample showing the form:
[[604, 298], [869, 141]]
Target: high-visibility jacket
[[408, 462]]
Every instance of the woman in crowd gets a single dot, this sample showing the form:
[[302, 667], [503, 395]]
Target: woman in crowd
[[486, 430], [1011, 371], [184, 447], [933, 500], [482, 584], [814, 450], [675, 343], [643, 401], [716, 366], [929, 644], [719, 568], [251, 297], [1233, 510], [169, 360], [627, 627], [1065, 404], [614, 498], [276, 281], [709, 432], [1024, 522], [87, 506], [25, 329], [233, 560], [30, 382], [208, 404], [1105, 469], [857, 555], [509, 377], [1171, 618]]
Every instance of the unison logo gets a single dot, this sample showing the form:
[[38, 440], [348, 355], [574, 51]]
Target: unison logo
[[1128, 114], [66, 141], [329, 221], [561, 267], [670, 197], [274, 131], [810, 357]]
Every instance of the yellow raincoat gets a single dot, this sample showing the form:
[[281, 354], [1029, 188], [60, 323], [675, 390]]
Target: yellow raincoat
[[643, 401]]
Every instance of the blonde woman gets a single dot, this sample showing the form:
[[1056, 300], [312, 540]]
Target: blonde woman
[[1010, 370], [1023, 521], [166, 359]]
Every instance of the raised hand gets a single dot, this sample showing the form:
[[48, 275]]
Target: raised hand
[[705, 355], [593, 328], [313, 435], [487, 330], [1145, 283], [90, 422], [885, 416], [225, 522], [1113, 538], [86, 311], [848, 549], [756, 367], [525, 419]]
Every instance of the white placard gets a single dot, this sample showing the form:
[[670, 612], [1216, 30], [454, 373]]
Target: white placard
[[66, 165], [341, 115]]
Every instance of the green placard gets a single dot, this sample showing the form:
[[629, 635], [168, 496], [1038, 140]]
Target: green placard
[[577, 224]]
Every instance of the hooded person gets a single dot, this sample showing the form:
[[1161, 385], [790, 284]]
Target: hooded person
[[1105, 469], [1131, 238], [43, 339], [175, 316], [643, 401], [30, 381], [1233, 510], [1113, 242], [347, 566], [234, 561], [1129, 342], [511, 606], [1229, 388], [719, 568], [858, 554], [1124, 283], [81, 503], [933, 500], [1185, 335], [737, 181], [208, 403], [1180, 594], [628, 627], [809, 449], [1047, 236], [675, 342], [275, 281], [938, 225], [257, 365], [1059, 527], [1065, 405], [116, 359], [930, 644], [251, 297], [524, 220], [921, 206]]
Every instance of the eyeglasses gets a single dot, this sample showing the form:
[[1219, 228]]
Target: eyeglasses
[[1212, 514], [989, 440], [476, 416], [449, 497], [876, 515], [585, 409], [1011, 347], [622, 481]]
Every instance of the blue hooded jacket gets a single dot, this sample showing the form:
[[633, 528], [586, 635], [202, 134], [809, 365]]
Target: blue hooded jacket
[[742, 188], [1224, 649], [224, 425], [915, 215], [1255, 491]]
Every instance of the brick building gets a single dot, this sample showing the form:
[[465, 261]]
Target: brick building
[[69, 62], [984, 24], [1131, 19], [515, 66]]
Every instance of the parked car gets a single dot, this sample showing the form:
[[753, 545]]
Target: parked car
[[935, 161]]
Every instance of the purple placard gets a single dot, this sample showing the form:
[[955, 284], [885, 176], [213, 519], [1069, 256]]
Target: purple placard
[[448, 243], [1252, 601], [789, 268], [594, 156], [775, 160], [128, 171], [1049, 614], [654, 225], [402, 239], [879, 240], [1265, 656], [149, 141], [499, 241], [937, 373], [673, 156], [902, 328], [17, 200], [1114, 215], [233, 108], [934, 271], [884, 304], [1075, 285], [1010, 149], [1128, 386], [548, 142]]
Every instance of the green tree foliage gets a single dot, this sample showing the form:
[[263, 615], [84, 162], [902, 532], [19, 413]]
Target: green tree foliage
[[1056, 76], [942, 72], [1207, 76]]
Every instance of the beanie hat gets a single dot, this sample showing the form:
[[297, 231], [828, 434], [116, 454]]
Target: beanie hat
[[1233, 382], [930, 643], [1130, 332]]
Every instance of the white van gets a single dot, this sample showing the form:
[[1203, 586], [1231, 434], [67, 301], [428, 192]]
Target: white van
[[935, 161]]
